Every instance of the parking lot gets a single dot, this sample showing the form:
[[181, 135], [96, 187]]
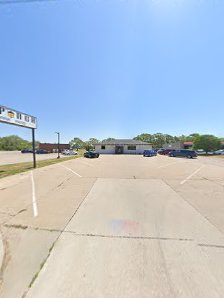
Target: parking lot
[[12, 157], [117, 226]]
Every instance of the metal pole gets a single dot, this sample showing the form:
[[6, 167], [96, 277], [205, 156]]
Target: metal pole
[[34, 149], [58, 144]]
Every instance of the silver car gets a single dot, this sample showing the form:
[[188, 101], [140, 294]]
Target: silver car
[[219, 152], [69, 152]]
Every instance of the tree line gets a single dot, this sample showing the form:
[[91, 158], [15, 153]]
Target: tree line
[[11, 143], [205, 142], [78, 143]]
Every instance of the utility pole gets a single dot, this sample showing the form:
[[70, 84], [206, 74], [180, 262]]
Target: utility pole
[[58, 133]]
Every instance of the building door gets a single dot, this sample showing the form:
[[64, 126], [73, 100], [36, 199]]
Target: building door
[[119, 149]]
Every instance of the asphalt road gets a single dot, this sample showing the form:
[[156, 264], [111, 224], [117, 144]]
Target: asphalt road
[[117, 226]]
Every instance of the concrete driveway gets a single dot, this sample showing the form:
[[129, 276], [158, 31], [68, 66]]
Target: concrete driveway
[[117, 226]]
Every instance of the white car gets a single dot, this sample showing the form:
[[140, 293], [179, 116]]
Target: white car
[[69, 152], [219, 152], [200, 151]]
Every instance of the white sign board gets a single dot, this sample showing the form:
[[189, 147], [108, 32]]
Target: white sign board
[[14, 117]]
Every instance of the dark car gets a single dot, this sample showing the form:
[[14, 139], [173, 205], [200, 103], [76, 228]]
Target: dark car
[[91, 154], [165, 151], [149, 153], [183, 153], [27, 151], [41, 151]]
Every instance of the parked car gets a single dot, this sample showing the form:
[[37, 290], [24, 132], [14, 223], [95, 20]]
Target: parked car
[[41, 151], [91, 154], [183, 153], [27, 151], [200, 152], [149, 153], [211, 153], [157, 149], [160, 151], [165, 151], [69, 152], [219, 152]]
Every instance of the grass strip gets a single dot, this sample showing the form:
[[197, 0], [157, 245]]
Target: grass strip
[[12, 169]]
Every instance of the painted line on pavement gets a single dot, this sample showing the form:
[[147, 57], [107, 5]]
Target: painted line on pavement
[[169, 164], [34, 202], [189, 177], [85, 163], [71, 171]]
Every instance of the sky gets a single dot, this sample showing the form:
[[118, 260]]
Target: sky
[[113, 68]]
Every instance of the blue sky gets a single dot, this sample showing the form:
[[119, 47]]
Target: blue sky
[[113, 68]]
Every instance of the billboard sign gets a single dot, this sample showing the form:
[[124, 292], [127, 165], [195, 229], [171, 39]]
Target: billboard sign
[[14, 117]]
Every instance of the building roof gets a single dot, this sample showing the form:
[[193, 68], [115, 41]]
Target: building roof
[[124, 142], [188, 143]]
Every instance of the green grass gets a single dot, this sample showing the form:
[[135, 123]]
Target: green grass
[[12, 169]]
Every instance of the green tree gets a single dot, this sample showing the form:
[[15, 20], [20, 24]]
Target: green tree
[[14, 142], [144, 137], [222, 143], [169, 139], [207, 143], [189, 138], [77, 144], [91, 143], [157, 140], [108, 140]]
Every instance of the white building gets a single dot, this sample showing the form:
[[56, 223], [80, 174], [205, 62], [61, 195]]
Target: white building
[[122, 147]]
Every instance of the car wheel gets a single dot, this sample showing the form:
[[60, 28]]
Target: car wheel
[[189, 156]]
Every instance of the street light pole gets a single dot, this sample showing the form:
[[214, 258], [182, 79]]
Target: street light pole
[[58, 133]]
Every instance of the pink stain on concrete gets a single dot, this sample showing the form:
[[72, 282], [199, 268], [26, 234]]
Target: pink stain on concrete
[[125, 225]]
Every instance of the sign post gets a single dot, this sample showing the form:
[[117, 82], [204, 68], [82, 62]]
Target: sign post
[[13, 117], [34, 148]]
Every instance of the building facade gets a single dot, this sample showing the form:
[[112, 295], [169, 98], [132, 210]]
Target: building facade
[[178, 145], [122, 147], [53, 148]]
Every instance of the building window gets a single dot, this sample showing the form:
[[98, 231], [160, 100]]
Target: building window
[[131, 147], [19, 116], [27, 118], [103, 147]]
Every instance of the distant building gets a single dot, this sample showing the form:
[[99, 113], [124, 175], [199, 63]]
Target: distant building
[[53, 148], [178, 145], [175, 146], [188, 145], [122, 147]]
